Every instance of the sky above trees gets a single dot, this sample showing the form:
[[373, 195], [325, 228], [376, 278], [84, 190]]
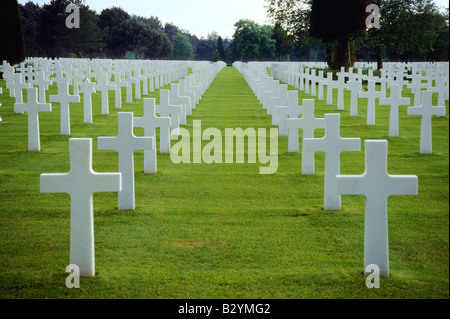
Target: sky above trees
[[199, 17]]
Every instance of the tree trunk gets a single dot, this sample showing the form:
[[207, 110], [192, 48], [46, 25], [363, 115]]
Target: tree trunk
[[77, 52], [330, 55], [380, 58], [345, 53]]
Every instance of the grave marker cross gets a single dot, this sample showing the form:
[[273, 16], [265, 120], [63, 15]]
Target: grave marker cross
[[64, 99], [426, 110], [376, 185], [394, 102], [332, 145], [126, 143], [81, 183], [32, 107], [308, 124]]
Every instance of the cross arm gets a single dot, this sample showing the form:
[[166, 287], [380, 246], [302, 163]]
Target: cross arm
[[54, 183], [403, 185], [351, 185], [107, 143], [107, 182]]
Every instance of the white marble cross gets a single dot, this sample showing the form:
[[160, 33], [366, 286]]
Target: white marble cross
[[426, 110], [176, 99], [43, 84], [76, 78], [372, 94], [149, 123], [176, 89], [64, 98], [129, 91], [321, 82], [332, 145], [341, 89], [314, 81], [59, 78], [137, 84], [104, 87], [440, 89], [87, 88], [331, 84], [292, 110], [308, 124], [184, 92], [307, 78], [32, 107], [281, 99], [151, 80], [144, 80], [119, 84], [395, 101], [165, 109], [355, 86], [416, 87], [377, 186], [81, 183], [126, 143], [190, 87], [17, 86]]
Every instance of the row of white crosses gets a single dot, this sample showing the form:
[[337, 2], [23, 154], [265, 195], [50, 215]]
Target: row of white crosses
[[375, 184], [82, 182], [392, 78], [16, 85]]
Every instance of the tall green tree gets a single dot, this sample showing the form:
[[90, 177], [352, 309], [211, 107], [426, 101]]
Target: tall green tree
[[13, 46], [409, 29], [30, 13], [205, 49], [57, 40], [157, 45], [136, 35], [221, 49], [294, 17], [182, 48], [232, 52], [88, 40], [339, 23], [216, 57], [171, 30], [283, 42], [254, 41], [112, 17]]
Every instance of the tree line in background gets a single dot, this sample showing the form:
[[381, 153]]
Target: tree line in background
[[302, 30], [410, 30]]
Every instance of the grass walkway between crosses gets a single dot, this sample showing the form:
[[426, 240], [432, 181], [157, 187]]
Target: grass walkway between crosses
[[221, 230]]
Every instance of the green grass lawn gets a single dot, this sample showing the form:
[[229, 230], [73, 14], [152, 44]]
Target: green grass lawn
[[221, 230]]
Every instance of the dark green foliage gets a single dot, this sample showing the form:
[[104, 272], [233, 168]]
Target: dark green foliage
[[337, 20], [410, 31], [283, 42], [30, 23], [339, 23], [182, 48], [216, 57], [137, 36], [109, 18], [221, 49], [12, 48], [254, 41], [205, 49], [54, 39]]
